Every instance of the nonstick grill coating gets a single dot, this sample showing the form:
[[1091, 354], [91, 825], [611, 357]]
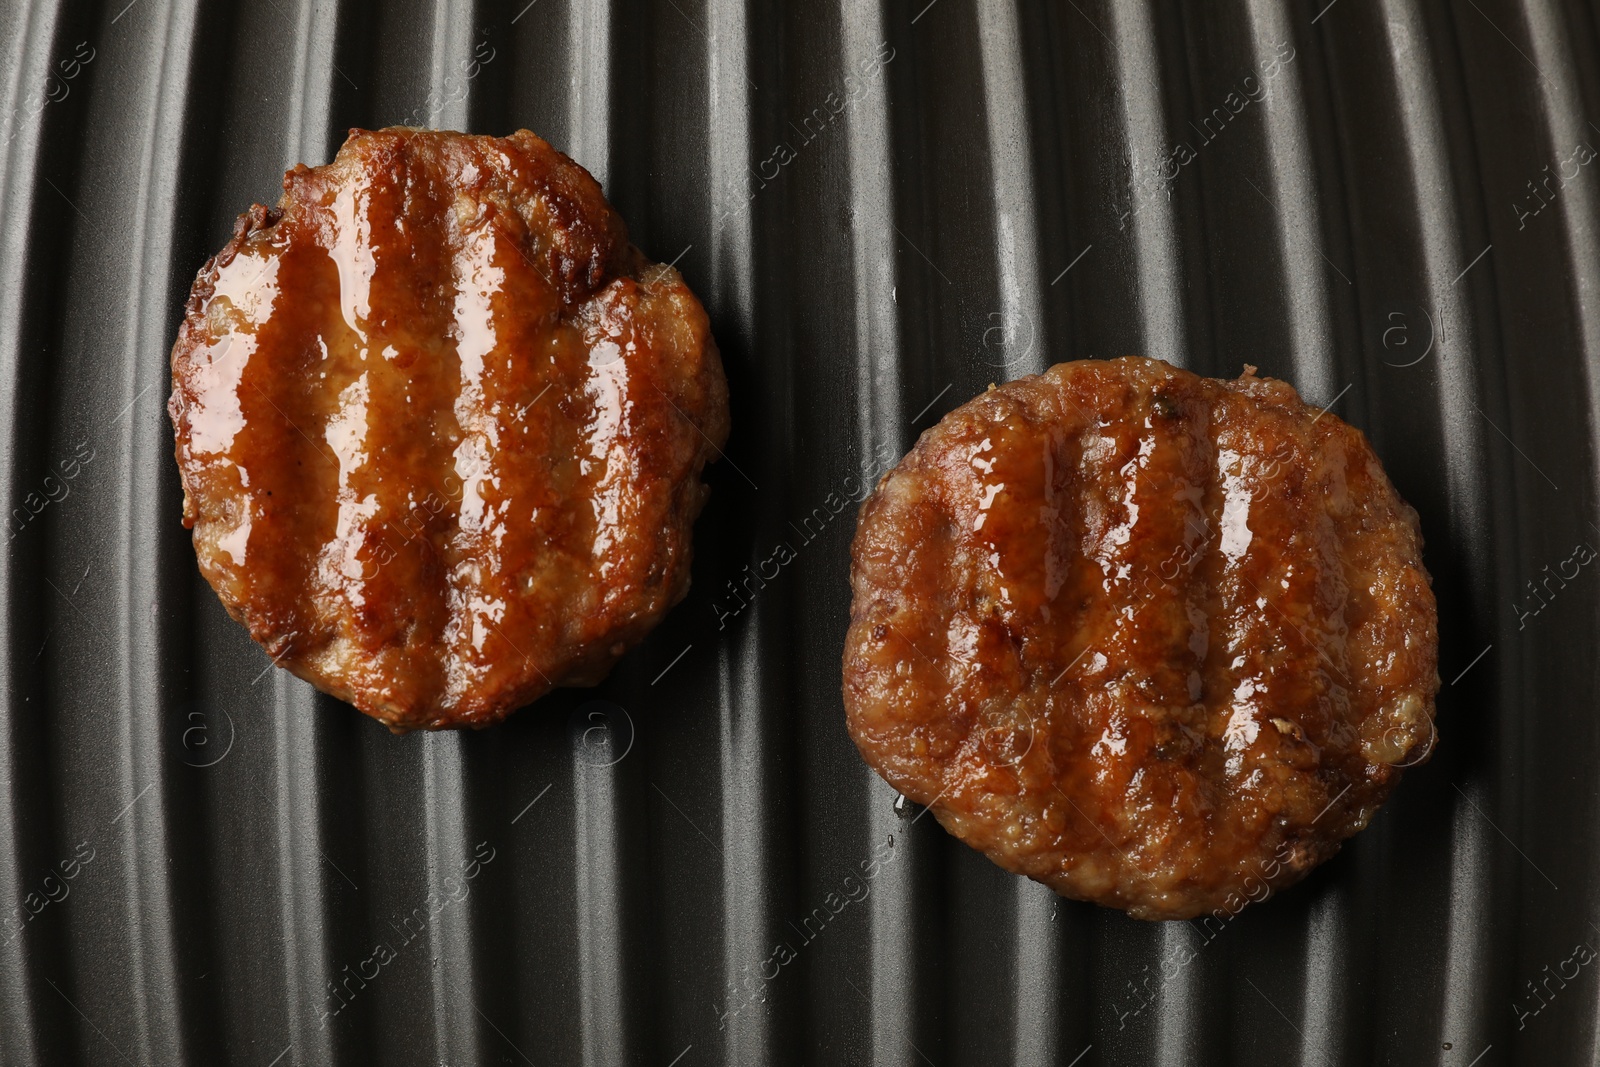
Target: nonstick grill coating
[[885, 207]]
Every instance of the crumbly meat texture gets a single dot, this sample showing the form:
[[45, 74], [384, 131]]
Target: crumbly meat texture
[[1158, 641], [441, 427]]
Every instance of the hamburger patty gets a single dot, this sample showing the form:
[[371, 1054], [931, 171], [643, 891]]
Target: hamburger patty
[[441, 427], [1161, 642]]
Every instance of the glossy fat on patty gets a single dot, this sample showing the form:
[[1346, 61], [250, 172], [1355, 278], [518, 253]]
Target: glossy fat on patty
[[1159, 641], [441, 427]]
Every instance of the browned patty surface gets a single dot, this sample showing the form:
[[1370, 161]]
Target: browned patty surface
[[1159, 641], [440, 426]]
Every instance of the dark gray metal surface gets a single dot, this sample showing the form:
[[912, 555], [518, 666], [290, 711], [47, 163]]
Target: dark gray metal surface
[[885, 206]]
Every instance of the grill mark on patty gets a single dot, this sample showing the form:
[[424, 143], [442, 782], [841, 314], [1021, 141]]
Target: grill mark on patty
[[1259, 644], [274, 423], [483, 267], [388, 243], [1334, 593], [1200, 591], [1275, 646]]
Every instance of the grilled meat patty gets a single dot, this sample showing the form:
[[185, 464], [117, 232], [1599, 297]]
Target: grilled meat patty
[[1159, 641], [441, 427]]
